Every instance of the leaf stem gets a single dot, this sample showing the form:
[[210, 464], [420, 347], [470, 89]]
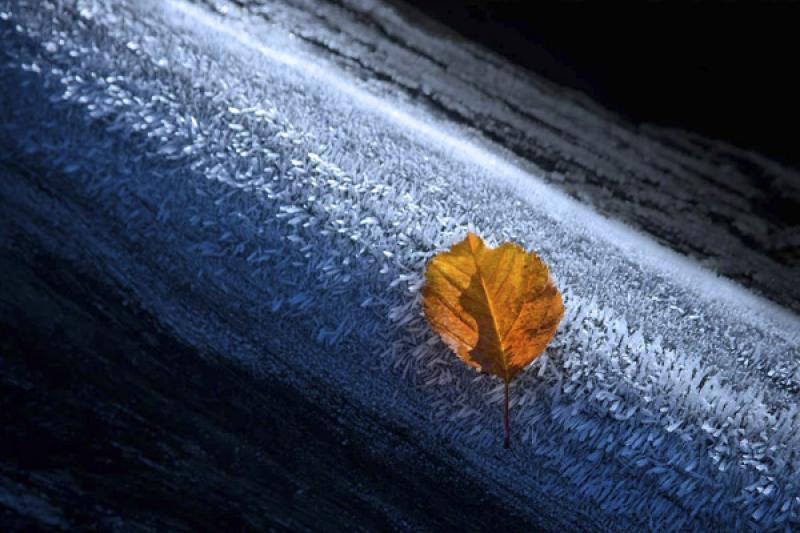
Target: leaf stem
[[506, 425]]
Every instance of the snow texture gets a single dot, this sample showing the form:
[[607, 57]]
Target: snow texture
[[239, 166]]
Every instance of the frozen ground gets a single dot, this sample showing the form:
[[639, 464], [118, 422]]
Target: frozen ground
[[730, 208], [266, 206]]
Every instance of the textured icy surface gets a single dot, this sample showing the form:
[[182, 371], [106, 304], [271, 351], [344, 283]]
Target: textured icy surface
[[239, 166], [715, 202]]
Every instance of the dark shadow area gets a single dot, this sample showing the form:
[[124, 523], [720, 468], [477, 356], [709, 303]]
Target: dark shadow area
[[721, 69]]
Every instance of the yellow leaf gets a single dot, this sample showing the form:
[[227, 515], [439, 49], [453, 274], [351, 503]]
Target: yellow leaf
[[496, 308]]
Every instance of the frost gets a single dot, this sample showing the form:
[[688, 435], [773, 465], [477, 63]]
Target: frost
[[316, 205]]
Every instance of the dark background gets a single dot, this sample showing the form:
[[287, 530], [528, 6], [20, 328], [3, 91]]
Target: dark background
[[722, 69]]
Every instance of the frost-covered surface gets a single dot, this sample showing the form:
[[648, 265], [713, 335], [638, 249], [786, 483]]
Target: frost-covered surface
[[731, 208], [197, 154]]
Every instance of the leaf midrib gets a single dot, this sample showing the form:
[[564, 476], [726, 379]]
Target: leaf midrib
[[491, 312]]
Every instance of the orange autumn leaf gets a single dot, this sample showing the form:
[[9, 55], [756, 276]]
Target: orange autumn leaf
[[496, 308]]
